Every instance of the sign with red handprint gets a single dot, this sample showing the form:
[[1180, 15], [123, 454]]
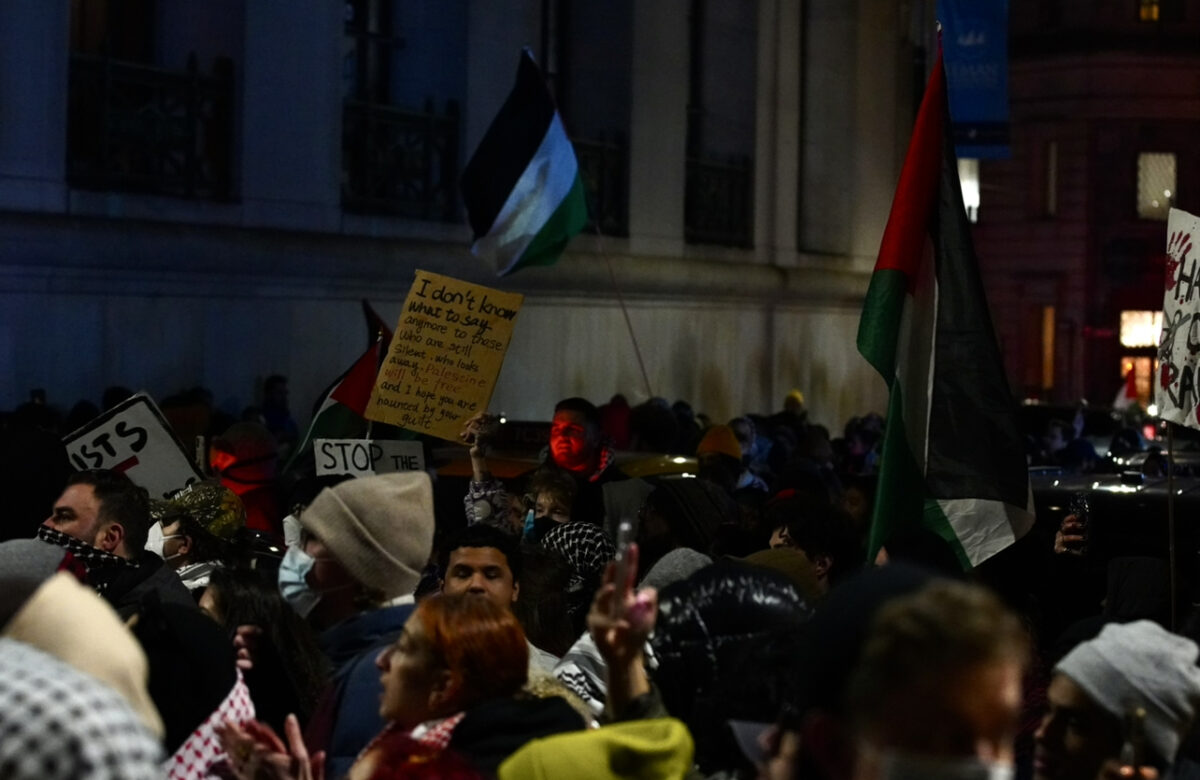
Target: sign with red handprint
[[1177, 391]]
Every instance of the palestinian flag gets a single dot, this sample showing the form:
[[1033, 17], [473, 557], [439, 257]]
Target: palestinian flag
[[339, 413], [522, 189], [953, 460], [377, 329]]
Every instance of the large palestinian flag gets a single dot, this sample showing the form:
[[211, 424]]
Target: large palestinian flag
[[953, 461], [522, 189]]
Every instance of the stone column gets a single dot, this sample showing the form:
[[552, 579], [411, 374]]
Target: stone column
[[777, 131], [34, 59], [658, 127]]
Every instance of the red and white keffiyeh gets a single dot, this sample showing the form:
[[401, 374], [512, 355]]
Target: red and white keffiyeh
[[198, 755]]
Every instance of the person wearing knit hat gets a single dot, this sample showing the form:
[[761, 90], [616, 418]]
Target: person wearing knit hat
[[173, 666], [677, 565], [720, 457], [193, 531], [364, 544], [720, 439], [43, 605], [378, 529], [1099, 683]]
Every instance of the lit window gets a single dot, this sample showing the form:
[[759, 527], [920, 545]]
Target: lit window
[[1148, 10], [1156, 185], [968, 177], [1140, 328], [1138, 375]]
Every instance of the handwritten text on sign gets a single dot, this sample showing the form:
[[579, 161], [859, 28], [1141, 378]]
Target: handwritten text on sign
[[1179, 346], [363, 457], [445, 357]]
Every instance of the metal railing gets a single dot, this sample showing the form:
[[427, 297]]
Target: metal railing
[[138, 128], [718, 200], [400, 163], [604, 167]]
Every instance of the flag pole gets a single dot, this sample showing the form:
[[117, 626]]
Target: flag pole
[[382, 357], [612, 275], [628, 323], [1171, 516]]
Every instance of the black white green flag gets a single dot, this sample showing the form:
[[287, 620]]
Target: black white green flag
[[953, 460], [522, 189]]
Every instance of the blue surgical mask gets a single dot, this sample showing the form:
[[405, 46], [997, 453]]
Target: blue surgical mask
[[527, 530], [293, 581]]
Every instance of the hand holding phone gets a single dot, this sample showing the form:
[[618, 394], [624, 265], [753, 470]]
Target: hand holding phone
[[1133, 751], [622, 578], [1072, 535], [478, 432], [621, 619]]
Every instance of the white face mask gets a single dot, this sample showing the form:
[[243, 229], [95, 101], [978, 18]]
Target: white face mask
[[898, 766], [291, 531], [156, 542]]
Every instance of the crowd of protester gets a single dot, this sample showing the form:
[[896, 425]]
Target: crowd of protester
[[591, 618]]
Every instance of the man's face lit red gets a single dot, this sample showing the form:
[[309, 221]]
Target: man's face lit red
[[573, 442]]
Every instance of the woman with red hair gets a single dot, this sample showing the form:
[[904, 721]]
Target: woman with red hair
[[455, 653]]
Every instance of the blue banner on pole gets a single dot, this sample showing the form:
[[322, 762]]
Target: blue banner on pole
[[975, 53]]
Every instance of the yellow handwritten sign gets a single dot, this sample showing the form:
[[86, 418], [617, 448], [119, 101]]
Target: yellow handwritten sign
[[444, 360]]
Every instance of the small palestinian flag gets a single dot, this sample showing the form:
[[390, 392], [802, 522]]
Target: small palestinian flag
[[953, 460], [339, 413], [522, 189]]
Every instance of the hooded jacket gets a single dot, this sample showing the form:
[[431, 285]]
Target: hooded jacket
[[638, 750]]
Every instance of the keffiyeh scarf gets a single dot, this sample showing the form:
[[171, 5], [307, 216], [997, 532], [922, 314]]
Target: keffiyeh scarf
[[96, 561], [199, 756]]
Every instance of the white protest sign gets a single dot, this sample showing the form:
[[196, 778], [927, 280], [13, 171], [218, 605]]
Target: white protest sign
[[1175, 392], [133, 438], [364, 457]]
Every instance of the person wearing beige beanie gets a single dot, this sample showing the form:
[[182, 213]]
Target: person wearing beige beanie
[[363, 546], [379, 529]]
